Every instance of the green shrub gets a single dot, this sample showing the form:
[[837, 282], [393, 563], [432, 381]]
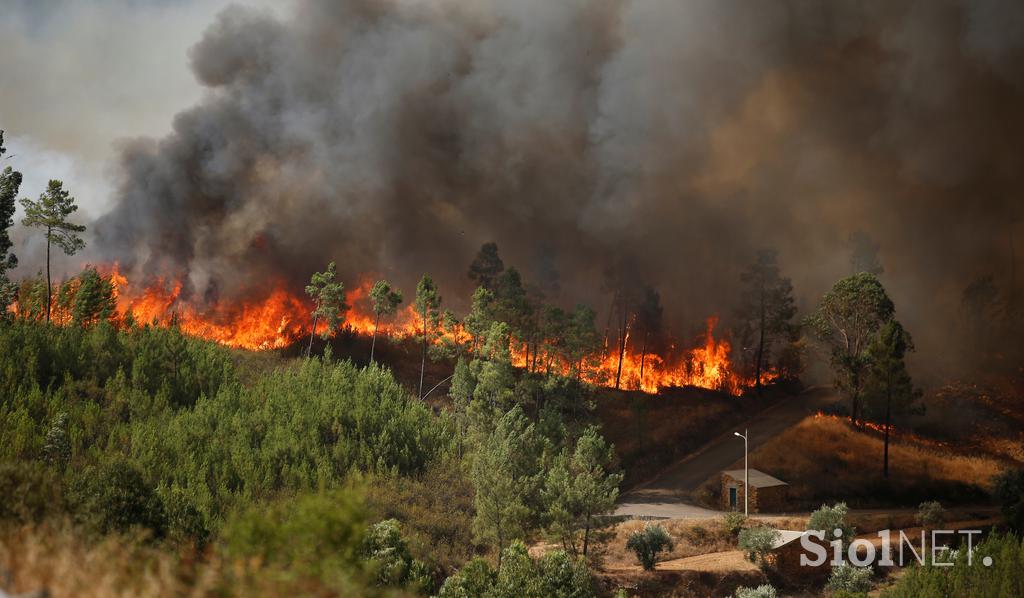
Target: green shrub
[[299, 428], [115, 498], [184, 521], [734, 522], [847, 578], [762, 591], [828, 519], [1009, 491], [931, 514], [29, 492], [318, 536], [554, 575], [474, 580], [647, 543], [434, 509], [57, 447], [1004, 576], [757, 542], [389, 557]]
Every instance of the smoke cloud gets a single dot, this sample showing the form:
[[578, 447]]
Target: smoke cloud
[[395, 137]]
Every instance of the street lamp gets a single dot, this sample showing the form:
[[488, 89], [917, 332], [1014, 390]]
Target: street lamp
[[746, 474]]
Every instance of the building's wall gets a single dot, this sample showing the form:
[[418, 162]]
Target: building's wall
[[771, 500], [786, 560], [729, 482], [768, 500]]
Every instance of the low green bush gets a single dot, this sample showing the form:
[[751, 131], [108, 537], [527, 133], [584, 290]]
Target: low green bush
[[318, 536], [389, 557], [757, 542], [761, 591], [828, 519], [553, 575], [847, 578], [930, 514], [1009, 491], [1002, 576], [647, 543], [734, 522], [114, 497], [29, 491]]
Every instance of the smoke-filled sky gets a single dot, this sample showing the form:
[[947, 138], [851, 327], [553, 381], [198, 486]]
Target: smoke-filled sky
[[238, 145]]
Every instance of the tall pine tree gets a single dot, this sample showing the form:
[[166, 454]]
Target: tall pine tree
[[10, 183], [51, 213]]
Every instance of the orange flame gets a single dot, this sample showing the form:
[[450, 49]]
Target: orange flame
[[896, 433], [282, 318], [706, 366]]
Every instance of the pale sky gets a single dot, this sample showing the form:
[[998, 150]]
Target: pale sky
[[78, 75]]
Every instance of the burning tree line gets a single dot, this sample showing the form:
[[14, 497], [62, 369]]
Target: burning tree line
[[538, 337], [634, 351]]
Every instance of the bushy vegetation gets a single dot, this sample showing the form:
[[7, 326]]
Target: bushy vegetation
[[121, 428], [829, 519], [1002, 576], [931, 514], [647, 543], [174, 408], [314, 536], [298, 428], [761, 591], [553, 575], [850, 579], [1009, 490], [757, 542], [114, 497], [734, 522]]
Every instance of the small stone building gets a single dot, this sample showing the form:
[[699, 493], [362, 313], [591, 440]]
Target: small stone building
[[785, 556], [767, 494]]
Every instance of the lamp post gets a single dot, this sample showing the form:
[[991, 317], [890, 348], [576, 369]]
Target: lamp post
[[746, 474]]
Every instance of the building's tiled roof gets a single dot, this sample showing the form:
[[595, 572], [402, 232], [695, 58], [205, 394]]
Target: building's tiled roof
[[758, 479], [785, 537]]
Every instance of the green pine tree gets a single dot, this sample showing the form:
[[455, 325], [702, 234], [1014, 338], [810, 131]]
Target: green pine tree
[[51, 213]]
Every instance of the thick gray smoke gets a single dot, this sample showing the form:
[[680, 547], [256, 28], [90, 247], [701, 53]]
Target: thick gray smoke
[[396, 136]]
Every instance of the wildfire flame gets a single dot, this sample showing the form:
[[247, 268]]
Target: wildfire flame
[[282, 318], [706, 366], [896, 433]]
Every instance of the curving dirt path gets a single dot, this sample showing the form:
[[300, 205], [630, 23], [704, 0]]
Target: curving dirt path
[[669, 494]]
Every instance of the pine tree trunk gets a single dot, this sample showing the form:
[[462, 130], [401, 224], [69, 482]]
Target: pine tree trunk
[[643, 357], [622, 344], [586, 535], [888, 415], [608, 323], [501, 546], [855, 399], [373, 343], [49, 292], [309, 350], [423, 361], [853, 410], [760, 349]]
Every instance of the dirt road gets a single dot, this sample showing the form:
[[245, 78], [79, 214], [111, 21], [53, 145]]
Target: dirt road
[[669, 494]]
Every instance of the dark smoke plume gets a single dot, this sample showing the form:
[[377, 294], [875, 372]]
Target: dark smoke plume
[[396, 136]]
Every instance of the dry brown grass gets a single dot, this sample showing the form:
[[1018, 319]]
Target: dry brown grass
[[63, 562], [57, 559], [826, 458], [691, 536]]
